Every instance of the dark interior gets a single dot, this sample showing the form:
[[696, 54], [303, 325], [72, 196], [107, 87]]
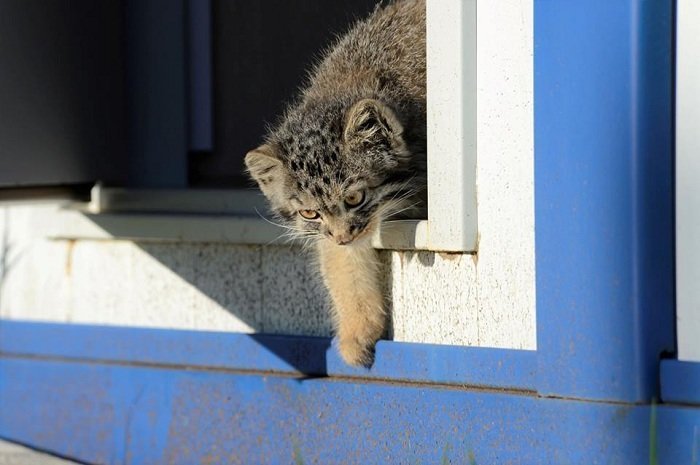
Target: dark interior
[[261, 53], [151, 93]]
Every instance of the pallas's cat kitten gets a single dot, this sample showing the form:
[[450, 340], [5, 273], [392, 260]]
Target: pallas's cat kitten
[[349, 153]]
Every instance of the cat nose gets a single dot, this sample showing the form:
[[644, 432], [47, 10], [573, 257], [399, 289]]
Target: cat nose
[[343, 239]]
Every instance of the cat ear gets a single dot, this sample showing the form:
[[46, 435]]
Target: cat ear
[[370, 121], [267, 170], [263, 164]]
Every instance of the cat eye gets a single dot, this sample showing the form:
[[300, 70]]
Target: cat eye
[[309, 214], [355, 199]]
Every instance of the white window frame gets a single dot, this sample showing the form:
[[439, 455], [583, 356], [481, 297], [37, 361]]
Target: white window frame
[[688, 179], [451, 60], [451, 119]]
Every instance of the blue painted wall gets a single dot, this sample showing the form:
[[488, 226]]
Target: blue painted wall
[[130, 395], [604, 196], [147, 415]]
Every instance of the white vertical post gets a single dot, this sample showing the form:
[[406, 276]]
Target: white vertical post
[[688, 180], [451, 114]]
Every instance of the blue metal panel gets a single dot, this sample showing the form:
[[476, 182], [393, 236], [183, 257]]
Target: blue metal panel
[[604, 196], [302, 355], [74, 390], [677, 433], [474, 366], [680, 382], [122, 414]]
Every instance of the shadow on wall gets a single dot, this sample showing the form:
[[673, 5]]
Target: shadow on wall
[[268, 289], [273, 290]]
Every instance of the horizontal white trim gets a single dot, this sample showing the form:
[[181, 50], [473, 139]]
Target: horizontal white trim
[[74, 224], [223, 216], [159, 227]]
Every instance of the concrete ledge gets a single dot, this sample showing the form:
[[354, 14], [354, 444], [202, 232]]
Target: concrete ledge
[[79, 223], [192, 215]]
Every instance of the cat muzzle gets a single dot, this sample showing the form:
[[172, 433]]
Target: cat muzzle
[[343, 239]]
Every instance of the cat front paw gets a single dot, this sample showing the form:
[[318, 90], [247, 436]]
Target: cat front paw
[[355, 352]]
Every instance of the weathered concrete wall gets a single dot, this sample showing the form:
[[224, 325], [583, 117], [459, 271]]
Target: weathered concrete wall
[[195, 286]]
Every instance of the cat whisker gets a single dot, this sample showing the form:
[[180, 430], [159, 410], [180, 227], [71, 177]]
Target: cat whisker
[[290, 233], [270, 221], [388, 211], [405, 184], [404, 196], [295, 236], [280, 225]]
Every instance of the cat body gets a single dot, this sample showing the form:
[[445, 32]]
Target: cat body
[[349, 153]]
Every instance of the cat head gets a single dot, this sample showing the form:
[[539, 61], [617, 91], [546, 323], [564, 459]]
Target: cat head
[[335, 172]]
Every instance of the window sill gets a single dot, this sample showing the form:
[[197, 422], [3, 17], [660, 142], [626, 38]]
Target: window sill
[[80, 224], [198, 216]]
